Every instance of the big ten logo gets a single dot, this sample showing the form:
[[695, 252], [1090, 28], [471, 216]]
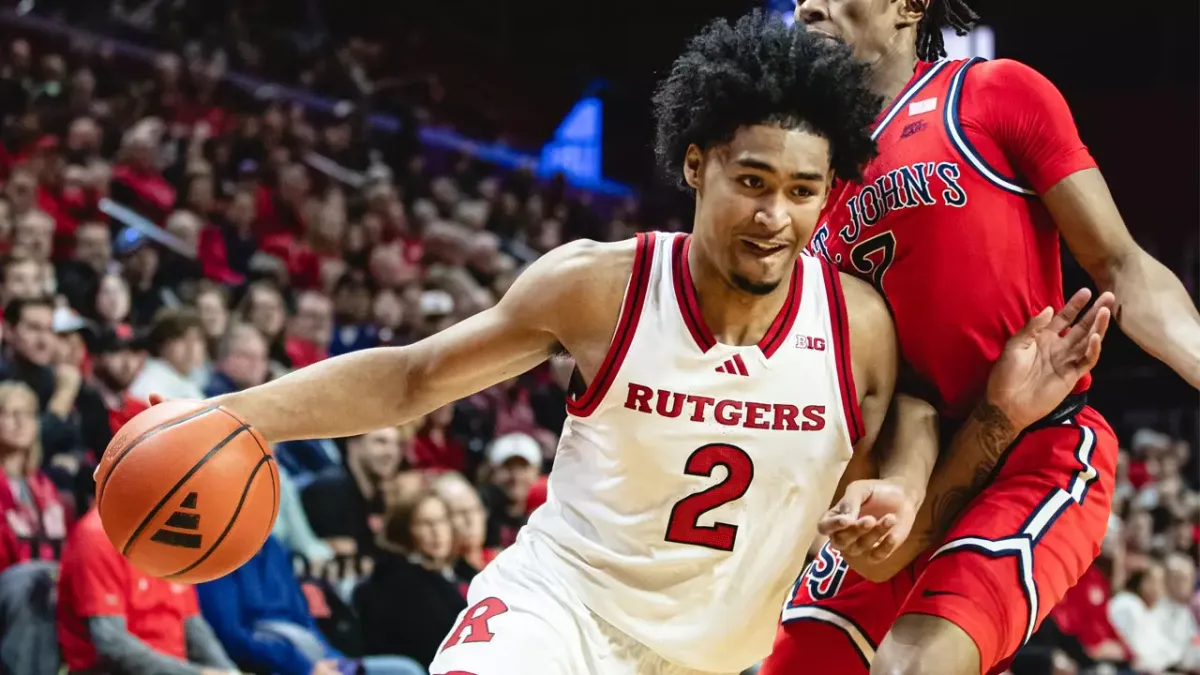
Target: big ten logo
[[816, 344], [825, 573]]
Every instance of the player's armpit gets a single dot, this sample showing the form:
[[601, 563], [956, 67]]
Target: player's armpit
[[553, 302], [1153, 307]]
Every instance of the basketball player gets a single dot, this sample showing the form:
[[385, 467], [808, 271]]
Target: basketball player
[[721, 400], [957, 223]]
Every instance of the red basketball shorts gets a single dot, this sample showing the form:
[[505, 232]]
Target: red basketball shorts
[[1013, 554]]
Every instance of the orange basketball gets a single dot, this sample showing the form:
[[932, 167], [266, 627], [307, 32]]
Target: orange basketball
[[187, 491]]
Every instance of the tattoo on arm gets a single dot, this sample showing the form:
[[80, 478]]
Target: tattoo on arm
[[992, 432]]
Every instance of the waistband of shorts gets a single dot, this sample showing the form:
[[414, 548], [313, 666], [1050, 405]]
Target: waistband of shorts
[[1071, 406]]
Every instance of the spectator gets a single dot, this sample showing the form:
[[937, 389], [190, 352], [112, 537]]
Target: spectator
[[116, 363], [35, 518], [293, 529], [113, 618], [1130, 613], [514, 462], [263, 307], [79, 277], [139, 261], [33, 358], [212, 302], [434, 447], [238, 239], [418, 564], [241, 361], [346, 504], [1173, 614], [22, 280], [352, 313], [113, 302], [469, 520], [33, 236], [176, 347], [310, 330], [261, 617], [32, 532]]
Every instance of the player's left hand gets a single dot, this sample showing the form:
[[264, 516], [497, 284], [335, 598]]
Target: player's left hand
[[872, 518], [1044, 361]]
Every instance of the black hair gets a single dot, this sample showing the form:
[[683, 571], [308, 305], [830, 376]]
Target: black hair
[[14, 311], [941, 14], [761, 71]]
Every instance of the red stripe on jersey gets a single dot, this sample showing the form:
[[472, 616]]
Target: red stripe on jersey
[[631, 312], [689, 303], [741, 365], [777, 334], [685, 294], [841, 350]]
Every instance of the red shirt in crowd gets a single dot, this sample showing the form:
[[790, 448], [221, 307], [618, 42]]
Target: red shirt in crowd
[[95, 580], [537, 494], [130, 408], [154, 196], [303, 353], [1083, 611], [442, 454], [35, 520]]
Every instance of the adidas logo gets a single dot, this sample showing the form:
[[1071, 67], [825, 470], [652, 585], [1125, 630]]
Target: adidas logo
[[734, 366], [184, 526]]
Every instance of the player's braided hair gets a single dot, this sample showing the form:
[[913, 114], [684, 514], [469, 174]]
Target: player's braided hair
[[760, 71], [942, 14]]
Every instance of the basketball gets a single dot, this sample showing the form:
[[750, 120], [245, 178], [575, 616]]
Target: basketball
[[187, 491]]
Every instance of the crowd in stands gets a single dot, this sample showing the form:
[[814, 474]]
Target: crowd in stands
[[163, 233]]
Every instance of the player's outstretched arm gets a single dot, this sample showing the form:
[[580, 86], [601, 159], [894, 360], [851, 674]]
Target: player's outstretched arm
[[1030, 120], [1039, 367], [1154, 308], [375, 388]]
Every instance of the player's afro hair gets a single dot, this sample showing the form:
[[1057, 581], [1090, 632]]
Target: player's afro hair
[[761, 71]]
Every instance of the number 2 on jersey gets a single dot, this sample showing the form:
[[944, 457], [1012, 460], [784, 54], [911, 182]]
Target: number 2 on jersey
[[682, 527]]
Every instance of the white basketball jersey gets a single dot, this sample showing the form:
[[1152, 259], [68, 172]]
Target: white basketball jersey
[[691, 474]]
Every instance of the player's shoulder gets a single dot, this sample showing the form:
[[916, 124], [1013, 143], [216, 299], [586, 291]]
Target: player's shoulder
[[587, 264], [1004, 74], [580, 283]]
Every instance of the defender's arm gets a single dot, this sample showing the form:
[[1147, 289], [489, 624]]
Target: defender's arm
[[1031, 122], [1153, 307], [359, 392]]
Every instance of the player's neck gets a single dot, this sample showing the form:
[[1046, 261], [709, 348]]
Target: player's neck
[[734, 316], [892, 72]]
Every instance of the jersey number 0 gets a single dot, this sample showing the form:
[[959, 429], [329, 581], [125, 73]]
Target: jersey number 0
[[682, 528]]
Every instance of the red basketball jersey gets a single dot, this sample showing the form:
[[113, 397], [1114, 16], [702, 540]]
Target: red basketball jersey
[[951, 235]]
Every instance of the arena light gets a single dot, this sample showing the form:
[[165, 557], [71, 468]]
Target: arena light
[[577, 145]]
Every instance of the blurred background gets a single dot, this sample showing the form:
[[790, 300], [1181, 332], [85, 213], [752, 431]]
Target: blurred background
[[196, 197]]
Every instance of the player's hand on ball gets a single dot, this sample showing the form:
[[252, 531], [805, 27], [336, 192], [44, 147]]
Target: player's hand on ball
[[1044, 361], [872, 519]]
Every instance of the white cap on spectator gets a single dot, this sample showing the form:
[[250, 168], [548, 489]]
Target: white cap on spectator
[[515, 445], [67, 321], [437, 303], [1149, 438]]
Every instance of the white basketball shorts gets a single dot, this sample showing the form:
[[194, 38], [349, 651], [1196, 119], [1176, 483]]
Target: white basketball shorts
[[522, 621]]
